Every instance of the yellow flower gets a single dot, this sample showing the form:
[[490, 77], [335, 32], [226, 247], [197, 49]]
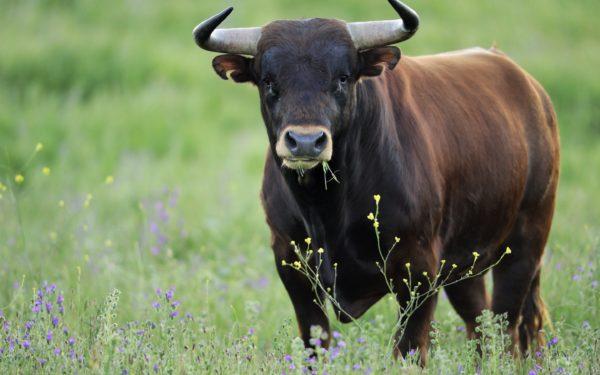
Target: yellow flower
[[46, 171], [335, 265], [397, 239], [283, 262], [371, 216], [425, 273], [297, 265], [293, 243], [88, 200], [19, 179], [405, 281], [109, 180], [61, 203], [475, 254], [508, 250], [376, 224], [320, 251], [2, 187], [407, 265], [377, 198], [108, 243], [39, 147], [308, 240], [443, 261], [454, 265]]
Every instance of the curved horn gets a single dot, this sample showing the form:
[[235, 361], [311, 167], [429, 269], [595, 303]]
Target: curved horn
[[373, 34], [238, 41]]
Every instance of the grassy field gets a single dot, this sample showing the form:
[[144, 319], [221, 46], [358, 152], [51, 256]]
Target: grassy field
[[140, 170]]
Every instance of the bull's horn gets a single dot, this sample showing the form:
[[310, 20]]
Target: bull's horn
[[373, 34], [241, 41]]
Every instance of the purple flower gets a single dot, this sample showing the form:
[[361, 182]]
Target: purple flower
[[553, 342], [156, 305], [60, 299], [361, 340], [155, 367], [49, 336], [37, 304], [55, 321], [356, 366], [586, 325], [40, 294], [51, 288], [287, 358], [336, 334], [174, 304], [532, 372], [48, 307], [28, 325], [594, 284], [71, 341], [173, 314], [411, 352], [169, 294], [576, 277], [155, 250], [341, 344], [25, 344], [250, 331], [57, 351], [42, 361]]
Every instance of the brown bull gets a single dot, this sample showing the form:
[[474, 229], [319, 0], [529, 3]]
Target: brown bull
[[463, 148]]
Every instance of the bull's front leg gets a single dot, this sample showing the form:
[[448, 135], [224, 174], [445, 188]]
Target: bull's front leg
[[417, 303], [302, 295]]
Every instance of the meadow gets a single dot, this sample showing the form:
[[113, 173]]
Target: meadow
[[132, 239]]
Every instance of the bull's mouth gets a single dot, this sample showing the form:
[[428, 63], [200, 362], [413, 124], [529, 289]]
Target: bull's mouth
[[301, 163]]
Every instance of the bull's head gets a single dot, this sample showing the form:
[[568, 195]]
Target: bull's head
[[306, 72]]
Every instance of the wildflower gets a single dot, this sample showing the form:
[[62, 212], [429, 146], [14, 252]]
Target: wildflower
[[60, 299], [88, 200], [508, 251], [454, 265], [376, 224], [475, 254], [39, 147], [283, 262], [377, 198], [174, 304], [109, 180], [335, 265], [308, 240], [361, 340], [173, 314], [370, 216], [425, 273], [397, 239], [287, 358], [19, 178], [46, 171], [25, 344], [356, 367], [55, 321], [553, 342], [320, 251], [407, 265], [297, 265], [293, 243], [49, 336], [28, 325], [156, 305], [71, 341], [155, 367], [336, 334], [48, 307], [169, 294], [342, 344], [57, 351]]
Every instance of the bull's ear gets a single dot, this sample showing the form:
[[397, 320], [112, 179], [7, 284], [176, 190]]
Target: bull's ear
[[373, 61], [239, 68]]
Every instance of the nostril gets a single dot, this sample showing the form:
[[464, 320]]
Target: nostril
[[321, 141], [290, 142]]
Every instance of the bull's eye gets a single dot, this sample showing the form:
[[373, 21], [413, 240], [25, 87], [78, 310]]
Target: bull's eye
[[343, 79], [269, 87]]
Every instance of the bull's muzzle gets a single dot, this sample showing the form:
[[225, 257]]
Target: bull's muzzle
[[304, 146]]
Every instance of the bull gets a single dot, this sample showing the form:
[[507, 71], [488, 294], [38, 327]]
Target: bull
[[462, 147]]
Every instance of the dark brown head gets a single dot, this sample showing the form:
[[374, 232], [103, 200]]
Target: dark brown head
[[306, 72]]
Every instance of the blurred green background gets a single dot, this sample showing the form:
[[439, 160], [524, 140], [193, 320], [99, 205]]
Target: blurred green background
[[118, 88]]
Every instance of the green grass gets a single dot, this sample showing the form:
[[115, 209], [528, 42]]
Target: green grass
[[119, 88]]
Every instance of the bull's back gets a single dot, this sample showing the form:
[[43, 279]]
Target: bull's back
[[491, 135]]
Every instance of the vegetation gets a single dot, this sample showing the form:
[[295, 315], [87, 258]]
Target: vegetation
[[131, 234]]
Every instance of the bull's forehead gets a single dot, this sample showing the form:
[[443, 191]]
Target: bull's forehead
[[320, 44]]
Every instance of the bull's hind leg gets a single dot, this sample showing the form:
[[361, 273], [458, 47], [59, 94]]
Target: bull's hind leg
[[516, 278], [469, 298]]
